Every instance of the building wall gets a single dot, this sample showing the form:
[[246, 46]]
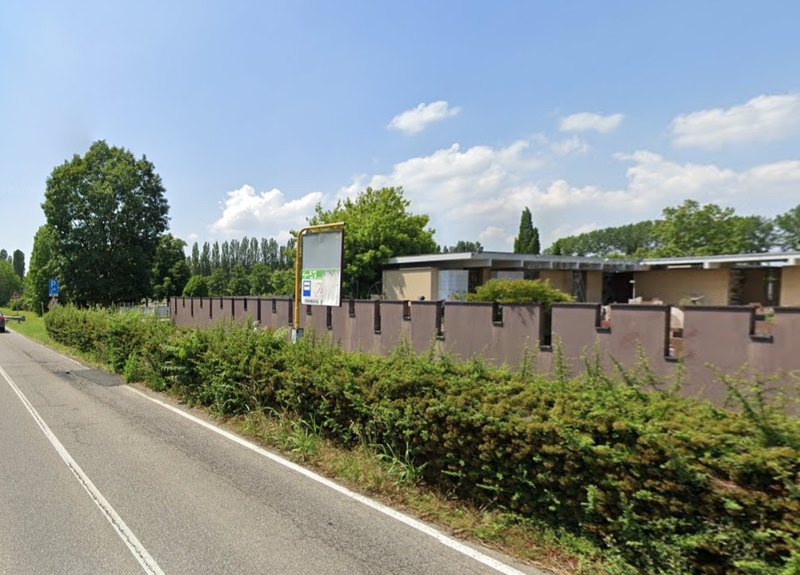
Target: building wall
[[790, 286], [674, 286], [559, 279], [409, 284], [594, 287]]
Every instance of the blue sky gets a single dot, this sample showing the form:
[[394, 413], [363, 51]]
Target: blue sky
[[590, 113]]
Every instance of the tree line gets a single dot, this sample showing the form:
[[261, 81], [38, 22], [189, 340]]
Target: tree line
[[247, 266], [690, 229], [106, 239]]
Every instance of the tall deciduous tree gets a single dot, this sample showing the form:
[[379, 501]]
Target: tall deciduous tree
[[108, 210], [195, 259], [788, 229], [9, 282], [205, 260], [216, 260], [170, 271], [692, 229], [527, 240], [378, 226], [43, 268]]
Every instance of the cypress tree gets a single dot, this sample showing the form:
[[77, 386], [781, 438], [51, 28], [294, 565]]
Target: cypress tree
[[527, 240]]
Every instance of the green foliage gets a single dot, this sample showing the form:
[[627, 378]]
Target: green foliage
[[238, 282], [170, 271], [261, 280], [688, 229], [17, 304], [694, 230], [788, 229], [518, 291], [632, 240], [18, 261], [85, 330], [108, 210], [197, 286], [282, 282], [527, 240], [463, 246], [219, 282], [43, 268], [10, 282], [264, 281], [378, 226], [669, 485]]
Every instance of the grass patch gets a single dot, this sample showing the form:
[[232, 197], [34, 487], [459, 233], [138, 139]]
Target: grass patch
[[32, 328]]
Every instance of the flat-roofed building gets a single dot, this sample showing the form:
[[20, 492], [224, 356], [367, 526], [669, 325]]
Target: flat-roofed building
[[769, 279]]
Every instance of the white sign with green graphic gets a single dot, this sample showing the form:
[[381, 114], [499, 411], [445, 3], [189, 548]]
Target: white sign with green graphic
[[321, 287], [321, 275]]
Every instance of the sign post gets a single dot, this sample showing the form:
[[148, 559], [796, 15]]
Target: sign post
[[52, 291], [317, 269]]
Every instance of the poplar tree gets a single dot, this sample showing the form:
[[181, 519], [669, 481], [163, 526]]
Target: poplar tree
[[527, 240]]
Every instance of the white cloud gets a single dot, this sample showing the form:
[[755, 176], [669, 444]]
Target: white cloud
[[417, 119], [588, 121], [493, 234], [479, 192], [455, 181], [265, 214], [569, 146], [761, 119]]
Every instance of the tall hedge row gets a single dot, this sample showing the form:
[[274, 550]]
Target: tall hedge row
[[670, 484]]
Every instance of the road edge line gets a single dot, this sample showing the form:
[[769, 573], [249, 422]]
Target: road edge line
[[416, 524]]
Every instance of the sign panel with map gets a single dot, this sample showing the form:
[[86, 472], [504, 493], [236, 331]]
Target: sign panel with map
[[321, 275]]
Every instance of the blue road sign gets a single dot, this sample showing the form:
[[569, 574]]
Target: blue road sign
[[53, 288]]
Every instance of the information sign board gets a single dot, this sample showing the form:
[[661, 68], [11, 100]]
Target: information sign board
[[321, 274]]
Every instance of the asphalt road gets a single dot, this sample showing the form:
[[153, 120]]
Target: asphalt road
[[97, 477]]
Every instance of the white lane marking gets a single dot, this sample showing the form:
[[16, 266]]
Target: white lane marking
[[137, 549], [401, 517]]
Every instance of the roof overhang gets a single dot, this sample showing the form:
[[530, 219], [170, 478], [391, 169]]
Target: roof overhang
[[772, 259], [509, 261]]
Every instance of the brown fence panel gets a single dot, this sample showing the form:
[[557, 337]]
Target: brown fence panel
[[394, 325], [638, 331], [574, 330], [518, 334], [468, 330], [423, 324]]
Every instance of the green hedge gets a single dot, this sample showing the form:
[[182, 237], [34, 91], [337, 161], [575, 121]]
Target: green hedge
[[672, 485]]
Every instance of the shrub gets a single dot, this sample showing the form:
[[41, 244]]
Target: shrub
[[17, 304], [519, 291], [197, 286]]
